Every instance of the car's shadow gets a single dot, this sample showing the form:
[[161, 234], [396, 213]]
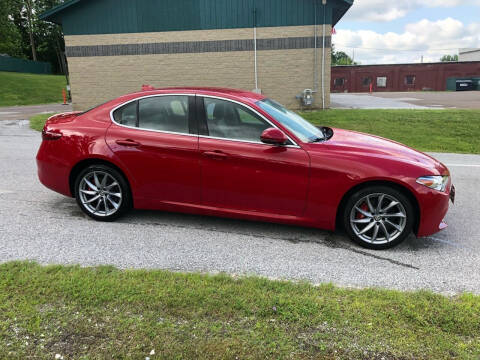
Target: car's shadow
[[257, 229], [265, 230]]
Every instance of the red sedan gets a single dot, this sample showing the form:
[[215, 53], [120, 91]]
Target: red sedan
[[238, 154]]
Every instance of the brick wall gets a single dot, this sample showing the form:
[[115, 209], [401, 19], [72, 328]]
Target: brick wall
[[282, 73]]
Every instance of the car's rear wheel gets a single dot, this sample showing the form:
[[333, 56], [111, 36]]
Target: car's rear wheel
[[378, 217], [102, 193]]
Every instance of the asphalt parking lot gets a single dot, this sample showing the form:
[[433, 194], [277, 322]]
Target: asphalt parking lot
[[26, 112], [407, 100], [37, 224]]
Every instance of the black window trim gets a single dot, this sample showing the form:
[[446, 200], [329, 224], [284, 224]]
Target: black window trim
[[201, 116], [192, 115], [137, 121]]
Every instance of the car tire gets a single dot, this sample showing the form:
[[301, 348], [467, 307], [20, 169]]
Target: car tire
[[102, 192], [378, 217]]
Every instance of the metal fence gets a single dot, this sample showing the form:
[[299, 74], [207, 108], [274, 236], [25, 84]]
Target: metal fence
[[12, 64]]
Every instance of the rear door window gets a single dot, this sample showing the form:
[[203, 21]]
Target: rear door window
[[164, 113]]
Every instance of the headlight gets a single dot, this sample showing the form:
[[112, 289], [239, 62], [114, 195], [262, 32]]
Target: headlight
[[434, 182]]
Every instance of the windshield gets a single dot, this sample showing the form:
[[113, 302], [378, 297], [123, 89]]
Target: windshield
[[302, 129]]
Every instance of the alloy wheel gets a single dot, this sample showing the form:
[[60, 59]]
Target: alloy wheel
[[378, 218], [100, 193]]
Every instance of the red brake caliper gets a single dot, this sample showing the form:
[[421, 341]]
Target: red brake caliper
[[363, 207]]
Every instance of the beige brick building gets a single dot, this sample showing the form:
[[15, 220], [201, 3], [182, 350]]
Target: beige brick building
[[107, 60]]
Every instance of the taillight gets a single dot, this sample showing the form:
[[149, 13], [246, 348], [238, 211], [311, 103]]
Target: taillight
[[50, 135]]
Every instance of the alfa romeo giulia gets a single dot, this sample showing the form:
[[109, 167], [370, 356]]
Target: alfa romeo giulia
[[239, 154]]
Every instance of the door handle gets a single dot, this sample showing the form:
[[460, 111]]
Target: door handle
[[217, 154], [128, 142]]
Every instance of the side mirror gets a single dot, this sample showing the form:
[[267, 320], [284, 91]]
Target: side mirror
[[274, 136]]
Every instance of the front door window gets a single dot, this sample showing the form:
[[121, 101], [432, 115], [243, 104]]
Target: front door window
[[228, 120]]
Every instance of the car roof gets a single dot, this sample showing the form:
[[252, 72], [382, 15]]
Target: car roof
[[218, 91]]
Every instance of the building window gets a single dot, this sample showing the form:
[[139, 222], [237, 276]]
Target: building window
[[339, 82], [410, 80], [366, 81], [382, 81]]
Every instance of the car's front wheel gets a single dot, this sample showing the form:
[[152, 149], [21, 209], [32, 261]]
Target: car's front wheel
[[102, 192], [378, 217]]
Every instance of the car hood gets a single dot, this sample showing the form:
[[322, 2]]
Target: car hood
[[358, 143]]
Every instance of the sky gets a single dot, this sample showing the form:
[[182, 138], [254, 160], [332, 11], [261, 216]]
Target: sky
[[402, 31]]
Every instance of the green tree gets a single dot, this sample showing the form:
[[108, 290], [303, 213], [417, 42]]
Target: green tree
[[341, 58], [447, 58], [28, 6], [49, 37], [35, 38], [10, 37]]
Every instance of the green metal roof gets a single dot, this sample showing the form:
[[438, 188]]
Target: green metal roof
[[341, 8], [52, 14], [80, 17]]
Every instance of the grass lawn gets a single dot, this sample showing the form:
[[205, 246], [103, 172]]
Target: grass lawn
[[456, 131], [97, 313], [30, 89], [37, 122]]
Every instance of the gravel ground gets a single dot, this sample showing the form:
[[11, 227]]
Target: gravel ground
[[40, 225]]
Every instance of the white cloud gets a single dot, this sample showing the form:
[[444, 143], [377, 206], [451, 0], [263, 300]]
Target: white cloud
[[383, 11], [431, 39]]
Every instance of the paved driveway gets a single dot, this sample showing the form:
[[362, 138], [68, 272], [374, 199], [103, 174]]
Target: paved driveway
[[40, 225], [26, 112], [367, 101], [408, 100]]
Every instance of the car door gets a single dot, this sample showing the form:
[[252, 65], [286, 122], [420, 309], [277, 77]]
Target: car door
[[156, 139], [239, 172]]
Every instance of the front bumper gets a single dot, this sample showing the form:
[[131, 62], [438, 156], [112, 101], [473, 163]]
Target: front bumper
[[433, 208]]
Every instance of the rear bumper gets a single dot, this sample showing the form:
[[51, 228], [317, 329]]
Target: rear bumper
[[433, 208], [52, 172]]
